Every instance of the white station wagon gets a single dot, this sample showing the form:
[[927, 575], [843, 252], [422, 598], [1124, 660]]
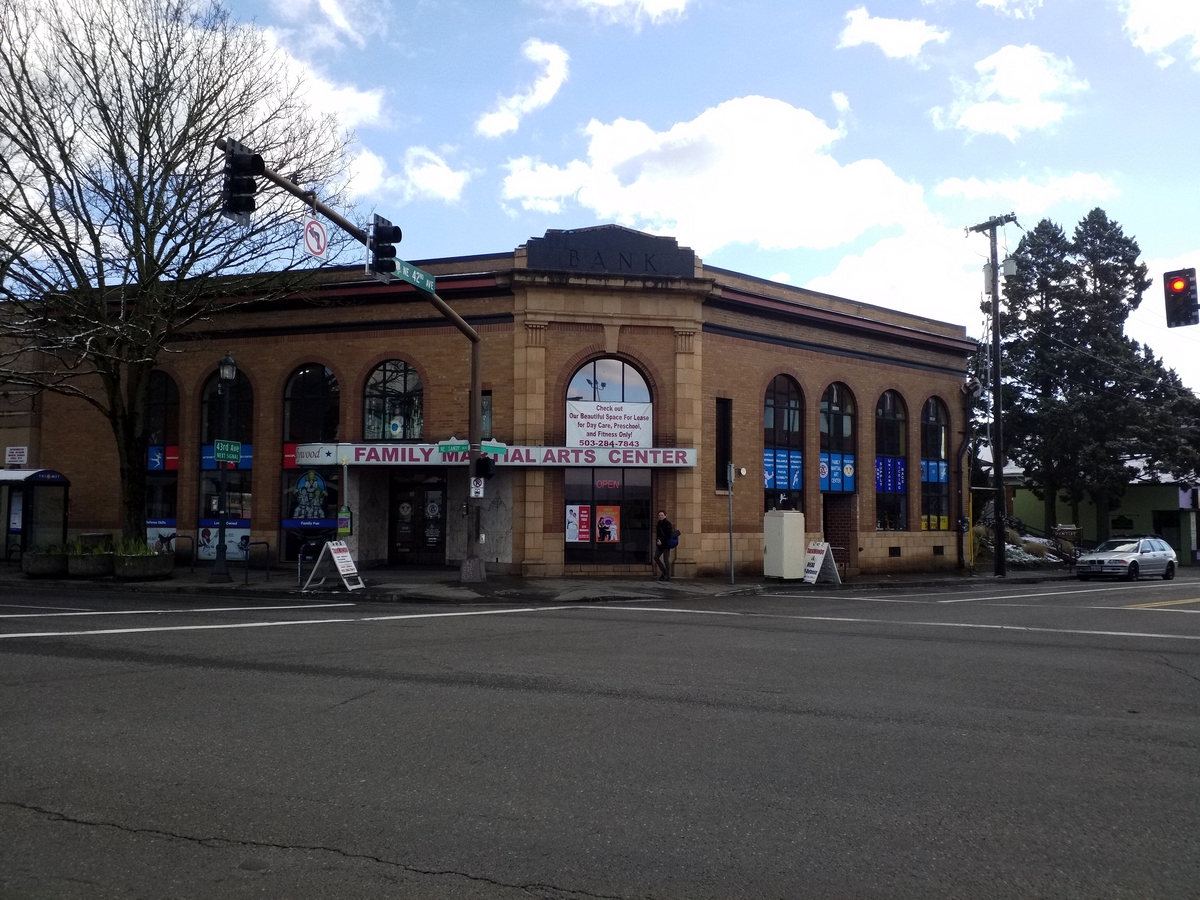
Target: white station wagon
[[1128, 558]]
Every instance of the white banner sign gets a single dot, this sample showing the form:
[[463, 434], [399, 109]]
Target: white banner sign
[[16, 456], [610, 424], [430, 455]]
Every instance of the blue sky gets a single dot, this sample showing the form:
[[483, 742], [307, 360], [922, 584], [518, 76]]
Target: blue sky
[[839, 146]]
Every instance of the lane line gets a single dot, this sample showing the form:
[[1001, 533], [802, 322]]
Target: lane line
[[34, 606], [864, 621], [158, 612], [1162, 603], [225, 626]]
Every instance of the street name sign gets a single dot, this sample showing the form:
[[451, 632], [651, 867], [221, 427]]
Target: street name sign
[[227, 451], [416, 277]]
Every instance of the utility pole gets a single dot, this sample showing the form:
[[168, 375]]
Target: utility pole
[[473, 569], [1001, 505]]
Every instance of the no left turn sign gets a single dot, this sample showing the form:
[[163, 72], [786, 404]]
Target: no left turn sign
[[316, 241]]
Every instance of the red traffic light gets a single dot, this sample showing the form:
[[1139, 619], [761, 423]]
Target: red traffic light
[[1177, 285]]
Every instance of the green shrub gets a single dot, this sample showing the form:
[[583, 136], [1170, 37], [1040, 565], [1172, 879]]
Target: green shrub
[[134, 547]]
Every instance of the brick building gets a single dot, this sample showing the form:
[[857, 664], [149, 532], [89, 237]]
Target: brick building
[[621, 374]]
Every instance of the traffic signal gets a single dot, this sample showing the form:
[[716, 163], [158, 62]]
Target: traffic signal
[[242, 165], [384, 237], [485, 467], [1180, 289]]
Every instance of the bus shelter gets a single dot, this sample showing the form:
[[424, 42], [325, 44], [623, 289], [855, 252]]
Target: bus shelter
[[35, 509]]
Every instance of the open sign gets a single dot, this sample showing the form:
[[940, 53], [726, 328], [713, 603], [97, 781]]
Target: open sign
[[611, 484]]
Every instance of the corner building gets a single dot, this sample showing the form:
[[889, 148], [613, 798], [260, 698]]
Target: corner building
[[620, 373]]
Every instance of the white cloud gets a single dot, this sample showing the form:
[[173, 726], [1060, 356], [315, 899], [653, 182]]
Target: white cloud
[[840, 101], [507, 116], [424, 176], [350, 106], [930, 270], [1155, 25], [626, 12], [1016, 92], [327, 23], [1030, 198], [752, 169], [897, 38], [782, 277], [1017, 9]]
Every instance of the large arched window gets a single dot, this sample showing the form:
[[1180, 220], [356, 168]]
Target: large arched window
[[311, 406], [891, 467], [238, 478], [935, 466], [311, 488], [783, 445], [162, 458], [393, 403], [608, 380], [241, 411], [837, 468], [607, 516]]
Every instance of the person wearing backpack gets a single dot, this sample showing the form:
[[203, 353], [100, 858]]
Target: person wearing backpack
[[666, 539]]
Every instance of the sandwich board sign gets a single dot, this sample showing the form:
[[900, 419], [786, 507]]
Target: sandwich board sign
[[819, 564], [335, 555]]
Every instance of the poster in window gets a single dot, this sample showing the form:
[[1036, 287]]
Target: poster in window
[[608, 524], [768, 468], [797, 475], [579, 524]]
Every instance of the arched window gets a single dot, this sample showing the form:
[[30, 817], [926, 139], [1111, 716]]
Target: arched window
[[393, 403], [311, 406], [238, 479], [891, 467], [162, 458], [783, 445], [162, 410], [241, 411], [607, 519], [837, 469], [311, 492], [611, 380], [935, 466]]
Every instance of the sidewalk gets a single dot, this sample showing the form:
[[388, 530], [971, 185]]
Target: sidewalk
[[396, 584]]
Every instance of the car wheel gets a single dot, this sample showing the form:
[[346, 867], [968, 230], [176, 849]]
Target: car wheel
[[1084, 576], [1170, 572], [1131, 574]]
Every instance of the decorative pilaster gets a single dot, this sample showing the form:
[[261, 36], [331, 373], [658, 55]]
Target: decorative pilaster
[[529, 427], [688, 433]]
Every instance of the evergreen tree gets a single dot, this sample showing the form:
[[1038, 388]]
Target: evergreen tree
[[1087, 408]]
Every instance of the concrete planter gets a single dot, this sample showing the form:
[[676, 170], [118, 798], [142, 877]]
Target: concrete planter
[[44, 565], [143, 568], [90, 565]]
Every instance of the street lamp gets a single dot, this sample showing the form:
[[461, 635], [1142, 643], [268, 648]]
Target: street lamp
[[227, 375]]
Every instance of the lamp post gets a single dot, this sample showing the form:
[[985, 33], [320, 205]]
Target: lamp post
[[225, 381]]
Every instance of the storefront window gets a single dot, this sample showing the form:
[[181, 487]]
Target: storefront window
[[783, 445], [393, 403], [237, 477], [311, 498], [837, 464], [891, 466], [608, 516], [162, 460], [935, 466]]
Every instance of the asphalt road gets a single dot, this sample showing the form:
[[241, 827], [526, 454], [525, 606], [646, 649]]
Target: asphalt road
[[1009, 741]]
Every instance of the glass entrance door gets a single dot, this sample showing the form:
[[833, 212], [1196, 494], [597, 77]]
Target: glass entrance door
[[418, 519]]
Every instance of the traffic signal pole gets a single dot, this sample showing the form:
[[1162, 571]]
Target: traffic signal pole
[[472, 570], [1001, 505]]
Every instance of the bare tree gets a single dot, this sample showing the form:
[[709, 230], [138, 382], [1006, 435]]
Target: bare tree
[[111, 240]]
